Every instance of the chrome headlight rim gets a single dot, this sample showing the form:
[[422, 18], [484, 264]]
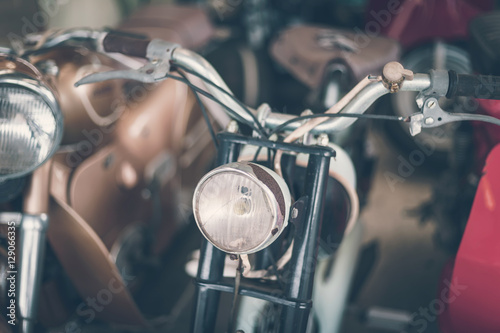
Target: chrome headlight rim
[[262, 177], [37, 86]]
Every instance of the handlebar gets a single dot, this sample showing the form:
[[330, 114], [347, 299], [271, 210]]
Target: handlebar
[[477, 86], [118, 42], [197, 63], [358, 105], [161, 54], [437, 83]]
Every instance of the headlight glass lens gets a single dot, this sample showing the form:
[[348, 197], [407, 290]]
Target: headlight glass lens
[[237, 212], [29, 130]]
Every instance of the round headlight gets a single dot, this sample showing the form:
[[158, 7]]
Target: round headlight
[[241, 207], [31, 122]]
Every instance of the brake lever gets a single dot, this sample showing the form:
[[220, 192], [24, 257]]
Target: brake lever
[[149, 73], [159, 54], [433, 116]]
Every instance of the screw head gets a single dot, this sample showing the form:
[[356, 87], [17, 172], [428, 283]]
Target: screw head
[[323, 139], [232, 127], [429, 121], [431, 103]]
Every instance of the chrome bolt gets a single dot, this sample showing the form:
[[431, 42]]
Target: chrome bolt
[[323, 139], [429, 121], [431, 103], [295, 213], [49, 67], [232, 127]]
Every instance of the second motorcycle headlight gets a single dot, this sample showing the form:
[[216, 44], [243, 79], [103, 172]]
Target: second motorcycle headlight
[[31, 123], [241, 207]]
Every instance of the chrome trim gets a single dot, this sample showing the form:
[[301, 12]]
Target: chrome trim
[[243, 168], [198, 64], [11, 78], [32, 242], [60, 36], [6, 217], [358, 105]]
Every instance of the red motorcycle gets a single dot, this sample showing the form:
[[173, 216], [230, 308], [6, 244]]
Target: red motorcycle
[[470, 283]]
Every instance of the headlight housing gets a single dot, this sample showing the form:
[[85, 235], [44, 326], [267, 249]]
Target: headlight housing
[[31, 123], [241, 207]]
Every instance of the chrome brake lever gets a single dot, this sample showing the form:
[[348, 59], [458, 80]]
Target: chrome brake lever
[[433, 116], [149, 73], [159, 54]]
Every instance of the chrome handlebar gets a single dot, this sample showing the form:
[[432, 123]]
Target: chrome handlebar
[[161, 54], [430, 87], [358, 105]]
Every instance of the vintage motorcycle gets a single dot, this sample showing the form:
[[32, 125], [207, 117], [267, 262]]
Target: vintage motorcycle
[[97, 179], [474, 223], [270, 221], [218, 214], [100, 128], [245, 209]]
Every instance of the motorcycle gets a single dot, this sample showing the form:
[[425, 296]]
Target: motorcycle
[[153, 178], [475, 258], [93, 183], [294, 272], [245, 209]]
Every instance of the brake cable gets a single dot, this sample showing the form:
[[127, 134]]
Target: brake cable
[[237, 282]]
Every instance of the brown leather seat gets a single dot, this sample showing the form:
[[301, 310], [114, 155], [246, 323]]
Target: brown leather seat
[[306, 51]]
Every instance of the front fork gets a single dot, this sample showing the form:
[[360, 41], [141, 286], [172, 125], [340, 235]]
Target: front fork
[[32, 225], [33, 241], [296, 298]]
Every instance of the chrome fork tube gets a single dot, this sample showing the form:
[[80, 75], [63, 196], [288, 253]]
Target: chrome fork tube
[[32, 242], [32, 236], [32, 253]]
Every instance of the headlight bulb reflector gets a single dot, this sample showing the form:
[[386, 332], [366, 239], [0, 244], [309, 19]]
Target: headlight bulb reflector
[[31, 122], [241, 207]]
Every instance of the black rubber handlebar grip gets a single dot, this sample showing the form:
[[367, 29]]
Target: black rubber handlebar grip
[[478, 86], [131, 45]]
